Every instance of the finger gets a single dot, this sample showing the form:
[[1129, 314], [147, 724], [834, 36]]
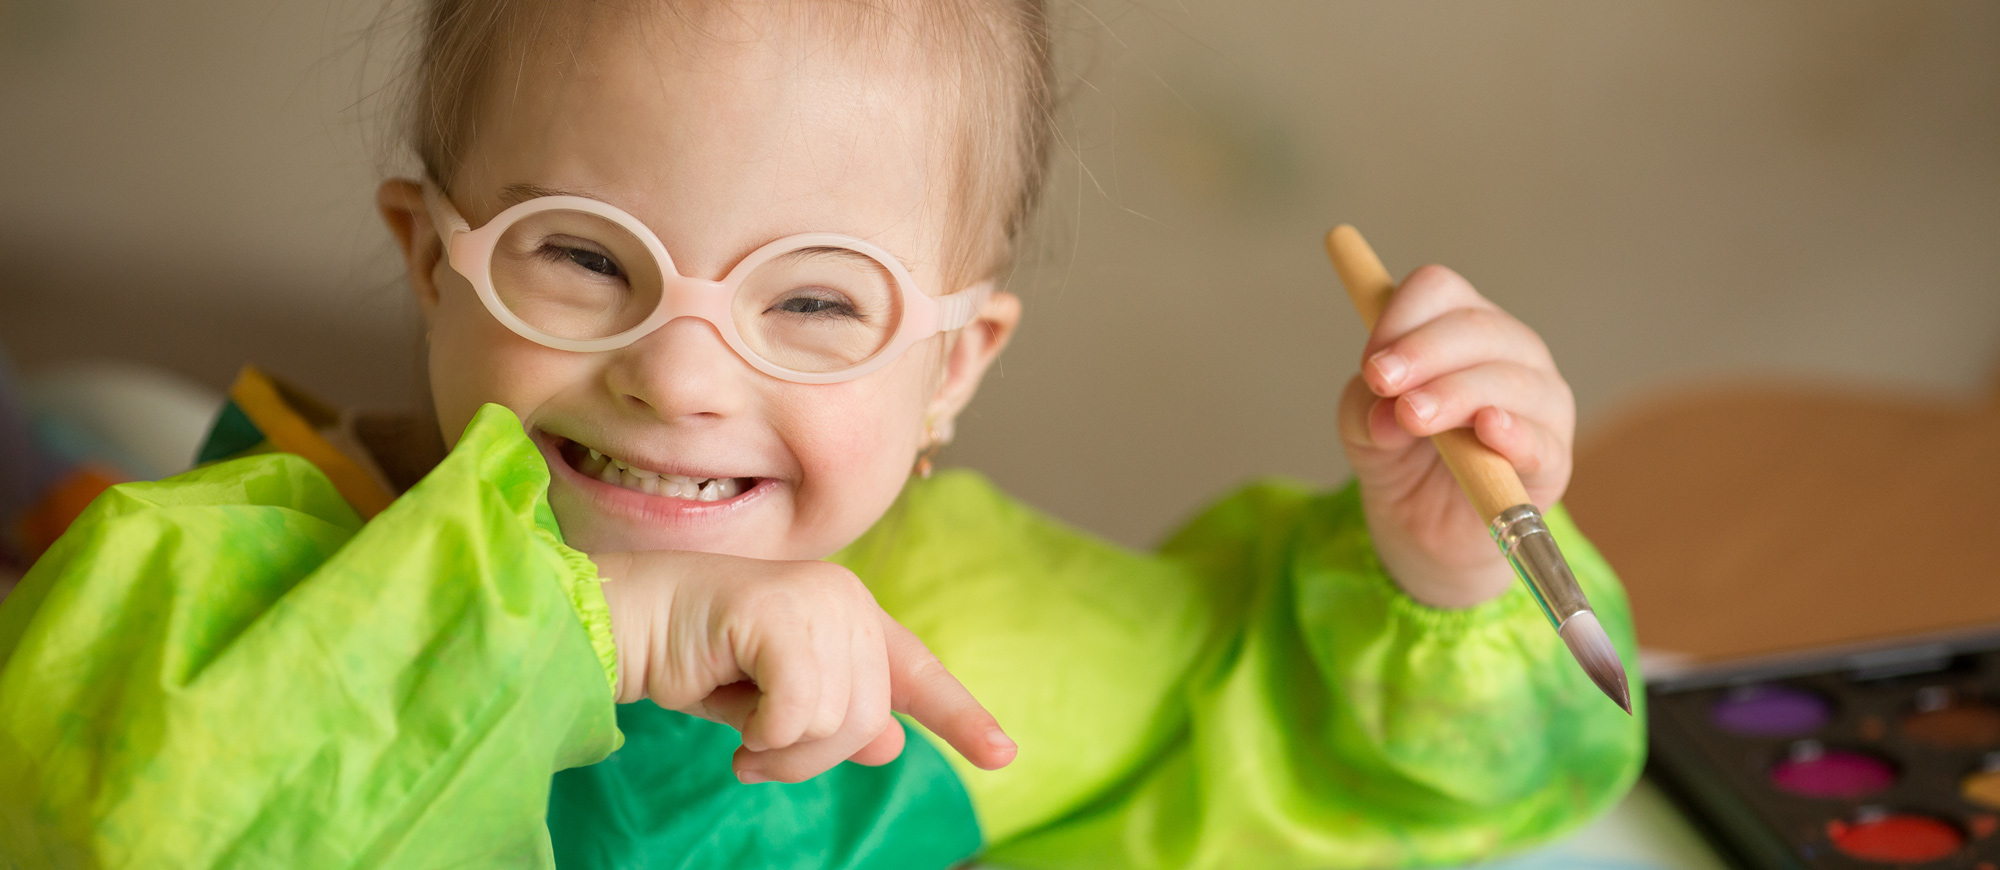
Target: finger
[[1449, 401], [920, 686], [1368, 421], [730, 705], [806, 759], [1424, 295], [862, 722], [1537, 454], [886, 747], [836, 684], [788, 673], [1455, 340], [866, 719]]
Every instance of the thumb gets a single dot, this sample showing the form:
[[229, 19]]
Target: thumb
[[1368, 427]]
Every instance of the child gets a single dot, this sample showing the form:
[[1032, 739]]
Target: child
[[705, 282]]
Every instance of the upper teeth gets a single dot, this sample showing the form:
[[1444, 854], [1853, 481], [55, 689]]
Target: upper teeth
[[618, 472]]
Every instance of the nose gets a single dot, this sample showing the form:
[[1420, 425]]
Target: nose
[[682, 372]]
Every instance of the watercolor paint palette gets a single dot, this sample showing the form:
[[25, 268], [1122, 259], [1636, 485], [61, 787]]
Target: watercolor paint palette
[[1885, 757]]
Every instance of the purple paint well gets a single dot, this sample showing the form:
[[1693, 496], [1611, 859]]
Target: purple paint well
[[1815, 771], [1768, 710]]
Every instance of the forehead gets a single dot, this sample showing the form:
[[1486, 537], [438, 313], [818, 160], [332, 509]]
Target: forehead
[[721, 132]]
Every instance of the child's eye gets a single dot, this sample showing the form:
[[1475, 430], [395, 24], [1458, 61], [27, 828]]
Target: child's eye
[[593, 261], [815, 306]]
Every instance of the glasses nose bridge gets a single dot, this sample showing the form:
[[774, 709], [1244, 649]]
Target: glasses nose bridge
[[681, 296]]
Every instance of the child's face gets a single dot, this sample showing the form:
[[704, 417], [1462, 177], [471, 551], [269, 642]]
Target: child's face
[[719, 141]]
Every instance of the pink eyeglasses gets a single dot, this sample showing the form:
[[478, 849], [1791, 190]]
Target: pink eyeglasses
[[577, 274]]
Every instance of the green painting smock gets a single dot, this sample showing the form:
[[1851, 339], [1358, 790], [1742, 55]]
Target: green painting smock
[[231, 669]]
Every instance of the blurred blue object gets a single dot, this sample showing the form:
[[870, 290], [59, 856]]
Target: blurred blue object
[[141, 421], [27, 468], [125, 421]]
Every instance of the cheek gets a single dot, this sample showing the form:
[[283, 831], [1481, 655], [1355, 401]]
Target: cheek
[[851, 441], [474, 360], [854, 444]]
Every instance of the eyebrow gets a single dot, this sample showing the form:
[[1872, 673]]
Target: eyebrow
[[848, 255], [515, 194], [829, 252]]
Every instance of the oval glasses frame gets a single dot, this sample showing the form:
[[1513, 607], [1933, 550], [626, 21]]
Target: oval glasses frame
[[470, 253]]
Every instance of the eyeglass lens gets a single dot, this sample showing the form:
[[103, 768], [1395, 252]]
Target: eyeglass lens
[[578, 276]]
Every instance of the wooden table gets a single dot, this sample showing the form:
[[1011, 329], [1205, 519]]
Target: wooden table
[[1759, 520]]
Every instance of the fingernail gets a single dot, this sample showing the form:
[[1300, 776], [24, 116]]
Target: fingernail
[[751, 777], [1503, 419], [998, 739], [1390, 368], [1422, 405]]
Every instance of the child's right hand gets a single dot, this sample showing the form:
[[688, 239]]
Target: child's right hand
[[796, 656]]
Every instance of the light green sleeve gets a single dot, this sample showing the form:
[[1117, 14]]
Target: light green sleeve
[[1257, 694], [229, 669]]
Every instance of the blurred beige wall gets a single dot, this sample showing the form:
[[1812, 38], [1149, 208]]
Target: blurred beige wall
[[1670, 191]]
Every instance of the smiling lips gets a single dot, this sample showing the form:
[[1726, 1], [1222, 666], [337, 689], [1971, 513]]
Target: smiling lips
[[617, 472]]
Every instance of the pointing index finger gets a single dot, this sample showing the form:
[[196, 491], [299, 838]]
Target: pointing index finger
[[920, 687]]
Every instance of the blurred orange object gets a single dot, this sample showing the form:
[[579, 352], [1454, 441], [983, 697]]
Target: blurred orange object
[[1759, 521], [42, 524]]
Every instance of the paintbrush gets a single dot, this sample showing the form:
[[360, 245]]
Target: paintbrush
[[1488, 479]]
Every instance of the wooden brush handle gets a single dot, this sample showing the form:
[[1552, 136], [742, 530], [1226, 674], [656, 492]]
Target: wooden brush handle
[[1487, 477]]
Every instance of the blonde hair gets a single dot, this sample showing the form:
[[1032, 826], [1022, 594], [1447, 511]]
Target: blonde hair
[[995, 56]]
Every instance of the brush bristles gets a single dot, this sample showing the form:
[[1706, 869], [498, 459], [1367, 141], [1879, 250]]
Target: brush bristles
[[1593, 650]]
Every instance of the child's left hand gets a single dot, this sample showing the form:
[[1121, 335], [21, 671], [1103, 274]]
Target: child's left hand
[[1443, 357]]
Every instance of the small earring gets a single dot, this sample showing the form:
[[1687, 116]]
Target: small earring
[[936, 436]]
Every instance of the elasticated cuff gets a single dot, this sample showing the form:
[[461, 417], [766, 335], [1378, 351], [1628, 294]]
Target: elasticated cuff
[[583, 588], [1352, 541]]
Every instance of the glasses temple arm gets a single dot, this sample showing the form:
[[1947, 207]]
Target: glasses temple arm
[[961, 308], [444, 216]]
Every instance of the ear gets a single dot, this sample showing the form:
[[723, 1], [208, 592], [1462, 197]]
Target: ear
[[967, 358], [401, 202]]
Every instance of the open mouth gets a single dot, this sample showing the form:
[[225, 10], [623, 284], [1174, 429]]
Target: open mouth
[[620, 473]]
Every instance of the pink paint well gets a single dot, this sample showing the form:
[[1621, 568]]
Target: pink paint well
[[1816, 771]]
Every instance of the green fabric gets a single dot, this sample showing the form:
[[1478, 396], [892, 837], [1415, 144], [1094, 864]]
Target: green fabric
[[667, 799], [1258, 694], [228, 669]]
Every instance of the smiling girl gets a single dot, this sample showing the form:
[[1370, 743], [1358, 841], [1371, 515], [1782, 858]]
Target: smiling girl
[[706, 282]]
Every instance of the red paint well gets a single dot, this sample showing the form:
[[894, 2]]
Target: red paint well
[[1895, 838]]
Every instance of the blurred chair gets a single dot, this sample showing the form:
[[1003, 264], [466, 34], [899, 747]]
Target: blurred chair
[[1756, 521]]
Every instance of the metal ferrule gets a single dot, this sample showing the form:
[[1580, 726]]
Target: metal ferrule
[[1525, 539]]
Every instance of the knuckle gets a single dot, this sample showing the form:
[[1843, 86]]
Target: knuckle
[[1488, 323], [821, 728], [1435, 279], [829, 573], [826, 580], [1416, 348], [1429, 276], [876, 720], [1533, 460], [768, 596], [921, 670]]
